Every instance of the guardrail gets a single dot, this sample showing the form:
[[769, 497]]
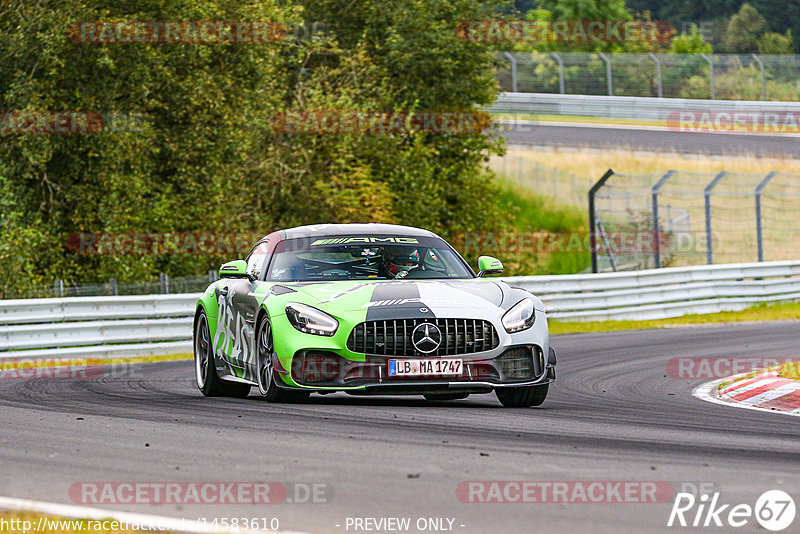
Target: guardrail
[[626, 107], [162, 324], [663, 293], [97, 327]]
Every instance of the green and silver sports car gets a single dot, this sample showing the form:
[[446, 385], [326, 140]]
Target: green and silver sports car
[[369, 309]]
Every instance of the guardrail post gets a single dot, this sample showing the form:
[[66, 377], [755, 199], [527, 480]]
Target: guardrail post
[[560, 72], [658, 74], [592, 222], [759, 228], [608, 73], [114, 287], [513, 61], [58, 288], [710, 75], [707, 193], [654, 196], [163, 280], [763, 77]]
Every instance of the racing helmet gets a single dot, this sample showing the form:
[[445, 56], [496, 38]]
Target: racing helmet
[[397, 261]]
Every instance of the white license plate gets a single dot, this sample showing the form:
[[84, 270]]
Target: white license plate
[[428, 367]]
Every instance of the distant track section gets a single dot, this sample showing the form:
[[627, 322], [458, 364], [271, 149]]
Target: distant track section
[[644, 138]]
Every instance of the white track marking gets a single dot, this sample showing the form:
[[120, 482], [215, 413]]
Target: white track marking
[[707, 392], [151, 522], [744, 389], [779, 391]]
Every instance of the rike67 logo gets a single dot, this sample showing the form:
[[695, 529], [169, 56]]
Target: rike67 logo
[[774, 510]]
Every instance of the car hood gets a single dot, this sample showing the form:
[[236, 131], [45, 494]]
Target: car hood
[[439, 297]]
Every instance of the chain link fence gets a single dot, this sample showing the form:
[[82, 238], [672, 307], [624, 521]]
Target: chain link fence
[[565, 188], [164, 285], [696, 76], [681, 218]]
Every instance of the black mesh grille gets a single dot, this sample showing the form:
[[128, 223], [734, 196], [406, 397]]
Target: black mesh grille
[[521, 363], [393, 337]]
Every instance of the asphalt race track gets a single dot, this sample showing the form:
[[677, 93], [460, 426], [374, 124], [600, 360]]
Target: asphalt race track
[[655, 140], [612, 415]]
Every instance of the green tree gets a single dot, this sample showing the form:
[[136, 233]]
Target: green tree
[[203, 106], [691, 42], [208, 157], [775, 43], [744, 30]]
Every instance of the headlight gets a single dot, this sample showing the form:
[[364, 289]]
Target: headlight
[[311, 320], [520, 317]]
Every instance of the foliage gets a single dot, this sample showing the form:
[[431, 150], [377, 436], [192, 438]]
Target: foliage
[[744, 30], [691, 42], [739, 84], [775, 43], [208, 157]]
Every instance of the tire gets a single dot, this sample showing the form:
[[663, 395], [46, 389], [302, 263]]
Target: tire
[[522, 397], [205, 371], [265, 354], [445, 396]]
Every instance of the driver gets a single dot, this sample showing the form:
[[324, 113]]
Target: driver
[[398, 262]]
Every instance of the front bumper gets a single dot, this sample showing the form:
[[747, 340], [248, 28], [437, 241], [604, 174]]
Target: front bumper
[[333, 367], [516, 366]]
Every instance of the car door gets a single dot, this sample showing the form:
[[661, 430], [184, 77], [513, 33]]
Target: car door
[[241, 294]]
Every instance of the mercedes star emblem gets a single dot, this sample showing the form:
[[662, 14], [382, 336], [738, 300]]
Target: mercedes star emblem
[[426, 337]]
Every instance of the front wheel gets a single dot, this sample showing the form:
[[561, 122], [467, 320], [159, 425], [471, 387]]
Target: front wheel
[[266, 373], [204, 369], [522, 397]]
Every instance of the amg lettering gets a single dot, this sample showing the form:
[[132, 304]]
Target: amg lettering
[[346, 240]]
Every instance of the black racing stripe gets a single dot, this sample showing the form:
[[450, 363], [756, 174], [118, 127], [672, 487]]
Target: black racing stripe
[[396, 300]]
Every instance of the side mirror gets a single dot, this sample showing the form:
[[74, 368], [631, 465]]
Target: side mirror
[[489, 265], [234, 269]]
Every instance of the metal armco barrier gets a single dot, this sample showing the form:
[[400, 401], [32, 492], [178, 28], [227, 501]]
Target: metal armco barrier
[[86, 327], [626, 107], [97, 327]]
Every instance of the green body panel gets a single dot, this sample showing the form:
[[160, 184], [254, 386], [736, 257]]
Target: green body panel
[[233, 269], [343, 300], [489, 265], [349, 298]]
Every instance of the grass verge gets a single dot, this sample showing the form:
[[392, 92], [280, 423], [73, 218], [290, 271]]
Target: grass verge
[[580, 119], [68, 362], [592, 164], [790, 370], [532, 212], [760, 312]]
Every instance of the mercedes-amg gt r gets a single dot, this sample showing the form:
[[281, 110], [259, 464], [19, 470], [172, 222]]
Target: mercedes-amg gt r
[[369, 309]]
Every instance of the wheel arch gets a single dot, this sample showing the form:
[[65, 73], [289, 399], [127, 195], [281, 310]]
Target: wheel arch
[[208, 304]]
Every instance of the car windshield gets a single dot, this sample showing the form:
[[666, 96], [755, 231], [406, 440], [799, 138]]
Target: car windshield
[[365, 258]]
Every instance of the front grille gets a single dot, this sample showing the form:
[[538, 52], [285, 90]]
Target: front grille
[[518, 363], [393, 337]]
